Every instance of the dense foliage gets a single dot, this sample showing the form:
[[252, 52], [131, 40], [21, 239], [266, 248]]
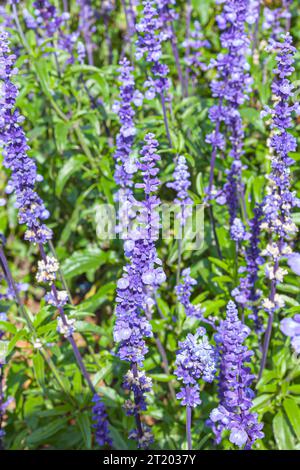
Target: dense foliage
[[150, 338]]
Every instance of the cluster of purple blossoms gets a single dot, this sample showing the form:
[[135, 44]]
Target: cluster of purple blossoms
[[253, 11], [86, 26], [6, 19], [231, 87], [235, 395], [184, 292], [195, 359], [181, 185], [149, 44], [32, 211], [246, 293], [129, 96], [48, 24], [194, 45], [166, 17], [126, 165], [291, 327], [136, 288], [274, 18], [279, 201], [100, 425]]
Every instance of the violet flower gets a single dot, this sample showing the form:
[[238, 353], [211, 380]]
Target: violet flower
[[124, 107], [195, 360], [294, 262], [136, 289], [181, 185], [100, 422], [86, 26], [235, 395], [246, 293], [126, 165], [280, 200], [291, 327], [49, 24], [194, 46], [273, 19], [149, 44], [231, 88], [184, 292]]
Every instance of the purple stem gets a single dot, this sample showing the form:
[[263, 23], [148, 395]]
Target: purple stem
[[189, 427], [70, 338], [187, 51], [214, 154], [270, 323], [163, 103], [137, 416], [176, 56], [268, 330]]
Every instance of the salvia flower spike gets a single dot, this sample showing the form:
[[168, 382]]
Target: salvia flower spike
[[231, 88], [136, 290], [280, 200], [233, 413]]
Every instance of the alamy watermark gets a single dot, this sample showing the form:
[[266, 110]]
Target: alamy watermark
[[169, 221]]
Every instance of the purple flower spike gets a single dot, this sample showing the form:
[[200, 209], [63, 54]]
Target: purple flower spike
[[49, 24], [233, 413], [195, 359], [31, 209], [86, 26], [181, 185], [184, 292], [246, 293], [126, 166], [136, 289], [100, 422], [149, 44], [280, 200], [231, 88]]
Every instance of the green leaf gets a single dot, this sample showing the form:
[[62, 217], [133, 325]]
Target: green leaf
[[71, 166], [82, 261], [282, 433], [43, 433], [118, 441], [85, 428], [39, 368], [293, 413], [162, 377]]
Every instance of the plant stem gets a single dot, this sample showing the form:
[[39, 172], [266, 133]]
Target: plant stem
[[179, 261], [176, 56], [70, 338], [61, 274], [163, 103], [269, 327], [137, 416], [165, 363], [48, 95], [189, 427], [212, 221], [187, 51], [24, 314]]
